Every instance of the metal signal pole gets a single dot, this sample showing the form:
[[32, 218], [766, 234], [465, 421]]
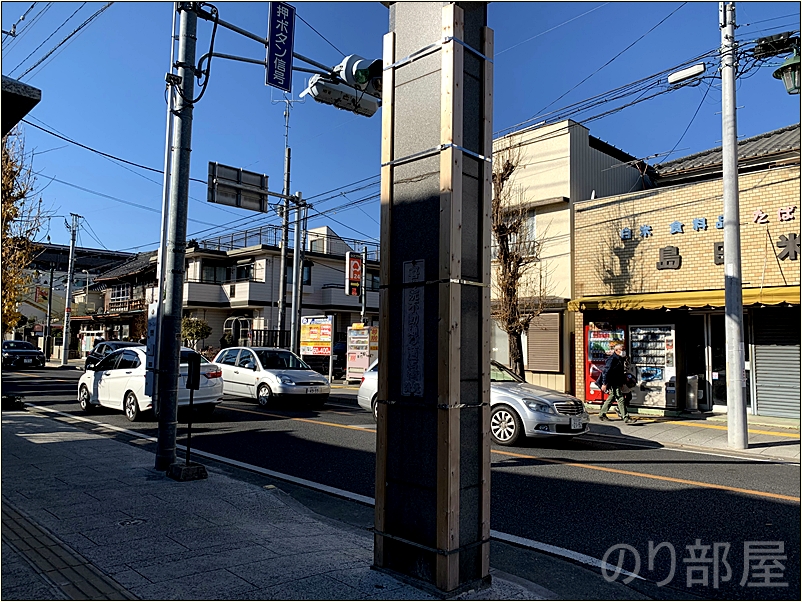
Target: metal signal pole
[[733, 297], [175, 251]]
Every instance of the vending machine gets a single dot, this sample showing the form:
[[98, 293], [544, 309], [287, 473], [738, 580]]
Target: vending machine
[[363, 348], [600, 337], [653, 357]]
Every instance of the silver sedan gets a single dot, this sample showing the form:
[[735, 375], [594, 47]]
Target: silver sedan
[[267, 374], [517, 408]]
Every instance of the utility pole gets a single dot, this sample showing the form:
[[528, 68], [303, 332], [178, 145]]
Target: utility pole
[[65, 341], [297, 276], [737, 436], [285, 222], [175, 251], [364, 283], [48, 327]]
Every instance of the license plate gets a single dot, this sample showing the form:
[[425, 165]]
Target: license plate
[[28, 360], [576, 423], [312, 390]]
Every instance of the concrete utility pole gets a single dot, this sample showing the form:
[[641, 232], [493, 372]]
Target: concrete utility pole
[[169, 337], [733, 296], [285, 223], [297, 273], [48, 327], [65, 340], [432, 519]]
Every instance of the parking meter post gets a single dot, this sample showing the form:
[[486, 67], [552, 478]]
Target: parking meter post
[[189, 424], [174, 269]]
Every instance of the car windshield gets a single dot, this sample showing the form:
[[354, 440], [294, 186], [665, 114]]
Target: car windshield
[[273, 359], [500, 374], [18, 345]]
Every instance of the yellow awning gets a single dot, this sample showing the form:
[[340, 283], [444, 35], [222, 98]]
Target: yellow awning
[[763, 296]]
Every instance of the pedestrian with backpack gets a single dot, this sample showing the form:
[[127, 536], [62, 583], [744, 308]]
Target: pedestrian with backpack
[[612, 381]]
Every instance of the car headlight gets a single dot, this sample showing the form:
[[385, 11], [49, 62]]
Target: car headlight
[[6, 354], [285, 380], [539, 406]]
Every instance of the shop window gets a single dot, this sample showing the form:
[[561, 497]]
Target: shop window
[[544, 344]]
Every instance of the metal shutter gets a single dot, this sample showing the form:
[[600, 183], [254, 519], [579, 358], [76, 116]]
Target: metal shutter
[[543, 343], [777, 361]]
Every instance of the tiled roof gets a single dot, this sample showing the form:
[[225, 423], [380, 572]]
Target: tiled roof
[[778, 141], [138, 264]]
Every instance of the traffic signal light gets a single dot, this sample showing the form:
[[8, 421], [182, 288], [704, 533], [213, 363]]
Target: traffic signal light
[[341, 95], [360, 73]]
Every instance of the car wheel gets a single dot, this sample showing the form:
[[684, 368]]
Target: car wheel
[[375, 407], [84, 399], [131, 407], [264, 395], [505, 425]]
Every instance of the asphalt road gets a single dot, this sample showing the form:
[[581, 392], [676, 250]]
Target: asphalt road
[[585, 496]]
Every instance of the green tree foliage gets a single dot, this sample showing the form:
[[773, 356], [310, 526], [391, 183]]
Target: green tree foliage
[[194, 330]]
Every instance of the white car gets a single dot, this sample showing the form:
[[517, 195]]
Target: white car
[[269, 373], [517, 407], [118, 382]]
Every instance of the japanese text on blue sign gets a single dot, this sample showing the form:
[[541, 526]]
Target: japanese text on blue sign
[[280, 38]]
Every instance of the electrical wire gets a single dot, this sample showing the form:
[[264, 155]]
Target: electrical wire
[[695, 113], [93, 234], [28, 26], [47, 39], [320, 34], [552, 29], [614, 58], [203, 75], [57, 46], [13, 30]]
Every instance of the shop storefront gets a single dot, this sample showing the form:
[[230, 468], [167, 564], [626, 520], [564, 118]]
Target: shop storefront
[[649, 272]]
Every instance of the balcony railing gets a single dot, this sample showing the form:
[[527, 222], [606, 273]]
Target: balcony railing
[[126, 305]]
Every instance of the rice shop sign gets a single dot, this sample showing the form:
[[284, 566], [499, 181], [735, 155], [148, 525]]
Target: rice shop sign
[[316, 335]]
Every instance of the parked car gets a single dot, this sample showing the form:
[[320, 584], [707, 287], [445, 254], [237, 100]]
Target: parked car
[[118, 382], [267, 374], [22, 354], [103, 349], [517, 408]]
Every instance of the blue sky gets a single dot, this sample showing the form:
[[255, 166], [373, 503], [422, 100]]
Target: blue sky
[[104, 88]]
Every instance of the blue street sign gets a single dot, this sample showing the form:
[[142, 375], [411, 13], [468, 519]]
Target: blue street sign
[[280, 38]]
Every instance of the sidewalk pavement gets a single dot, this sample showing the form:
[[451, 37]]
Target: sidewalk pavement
[[768, 438], [85, 517], [73, 364]]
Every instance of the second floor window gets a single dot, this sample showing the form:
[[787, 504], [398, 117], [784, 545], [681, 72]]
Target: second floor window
[[121, 292]]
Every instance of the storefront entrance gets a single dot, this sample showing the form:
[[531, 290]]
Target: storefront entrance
[[706, 357]]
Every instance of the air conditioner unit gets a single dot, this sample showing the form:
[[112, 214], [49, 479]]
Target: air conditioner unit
[[90, 308]]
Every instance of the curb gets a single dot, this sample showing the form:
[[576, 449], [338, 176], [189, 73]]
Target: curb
[[652, 444]]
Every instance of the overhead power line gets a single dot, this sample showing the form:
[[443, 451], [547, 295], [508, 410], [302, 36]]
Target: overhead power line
[[47, 39], [57, 46]]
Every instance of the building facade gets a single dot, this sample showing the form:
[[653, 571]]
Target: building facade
[[559, 165], [232, 282], [649, 270]]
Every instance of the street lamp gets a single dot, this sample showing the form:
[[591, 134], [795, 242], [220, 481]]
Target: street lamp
[[789, 73]]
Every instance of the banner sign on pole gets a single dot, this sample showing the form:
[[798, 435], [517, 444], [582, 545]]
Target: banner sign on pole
[[316, 335], [353, 274], [280, 38]]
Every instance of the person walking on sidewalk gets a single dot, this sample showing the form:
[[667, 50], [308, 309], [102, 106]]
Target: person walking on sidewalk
[[612, 380]]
